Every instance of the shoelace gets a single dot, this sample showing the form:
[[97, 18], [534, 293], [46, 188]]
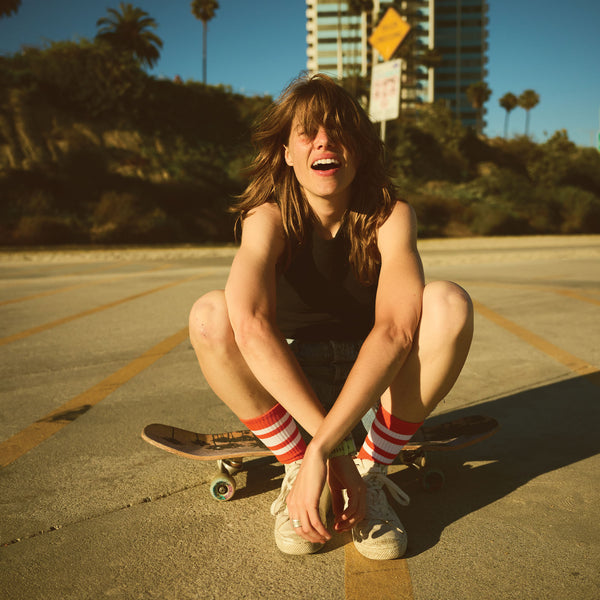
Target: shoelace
[[377, 504], [288, 481]]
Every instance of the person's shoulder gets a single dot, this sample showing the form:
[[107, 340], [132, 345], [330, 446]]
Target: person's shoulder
[[267, 214], [399, 229], [263, 227], [401, 214]]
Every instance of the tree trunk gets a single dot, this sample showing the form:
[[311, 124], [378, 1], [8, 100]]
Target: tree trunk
[[204, 34]]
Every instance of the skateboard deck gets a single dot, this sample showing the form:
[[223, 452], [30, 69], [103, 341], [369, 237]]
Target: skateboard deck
[[205, 446], [229, 448]]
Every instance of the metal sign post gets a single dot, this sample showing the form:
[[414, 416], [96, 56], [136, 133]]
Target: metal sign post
[[385, 80]]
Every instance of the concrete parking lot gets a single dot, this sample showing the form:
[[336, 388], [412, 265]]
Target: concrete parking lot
[[93, 346]]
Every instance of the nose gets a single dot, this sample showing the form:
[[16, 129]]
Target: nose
[[322, 139]]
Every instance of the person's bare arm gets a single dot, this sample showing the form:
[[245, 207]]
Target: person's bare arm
[[250, 294], [397, 314]]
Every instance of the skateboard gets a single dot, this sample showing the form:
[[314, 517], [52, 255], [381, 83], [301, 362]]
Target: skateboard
[[230, 448]]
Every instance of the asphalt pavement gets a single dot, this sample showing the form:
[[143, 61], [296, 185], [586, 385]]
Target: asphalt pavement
[[93, 346]]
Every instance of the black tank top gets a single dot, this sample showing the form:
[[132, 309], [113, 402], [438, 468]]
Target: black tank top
[[318, 296]]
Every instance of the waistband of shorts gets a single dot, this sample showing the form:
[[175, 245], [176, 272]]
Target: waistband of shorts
[[326, 351]]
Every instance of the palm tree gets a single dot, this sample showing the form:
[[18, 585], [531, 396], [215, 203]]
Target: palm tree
[[528, 100], [478, 94], [204, 10], [508, 102], [7, 7], [127, 31]]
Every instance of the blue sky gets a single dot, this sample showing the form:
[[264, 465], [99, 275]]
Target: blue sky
[[257, 47]]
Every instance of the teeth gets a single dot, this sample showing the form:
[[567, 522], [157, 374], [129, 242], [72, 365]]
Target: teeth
[[325, 161]]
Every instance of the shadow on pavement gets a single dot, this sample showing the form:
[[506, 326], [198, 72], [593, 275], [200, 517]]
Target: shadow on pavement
[[541, 430], [264, 475]]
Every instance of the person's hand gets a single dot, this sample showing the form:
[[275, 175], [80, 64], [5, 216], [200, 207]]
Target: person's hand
[[343, 475], [303, 498]]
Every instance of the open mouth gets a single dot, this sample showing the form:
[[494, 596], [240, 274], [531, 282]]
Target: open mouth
[[325, 164]]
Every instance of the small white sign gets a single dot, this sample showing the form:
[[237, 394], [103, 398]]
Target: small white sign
[[385, 91]]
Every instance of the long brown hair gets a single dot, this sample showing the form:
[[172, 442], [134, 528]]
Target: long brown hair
[[318, 101]]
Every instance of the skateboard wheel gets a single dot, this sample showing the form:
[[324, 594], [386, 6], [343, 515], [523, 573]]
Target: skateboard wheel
[[222, 487], [432, 480]]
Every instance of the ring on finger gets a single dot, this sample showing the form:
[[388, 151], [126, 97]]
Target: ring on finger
[[296, 523]]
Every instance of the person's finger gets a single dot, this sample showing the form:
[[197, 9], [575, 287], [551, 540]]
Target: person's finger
[[303, 527], [302, 523], [346, 522], [353, 514], [338, 502], [358, 505], [342, 514], [314, 526]]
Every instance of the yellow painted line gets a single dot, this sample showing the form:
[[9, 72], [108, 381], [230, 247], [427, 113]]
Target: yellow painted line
[[573, 363], [67, 288], [95, 270], [575, 295], [91, 311], [567, 292], [47, 426], [380, 579], [77, 286]]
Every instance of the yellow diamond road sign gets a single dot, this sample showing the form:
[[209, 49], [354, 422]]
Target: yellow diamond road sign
[[389, 33]]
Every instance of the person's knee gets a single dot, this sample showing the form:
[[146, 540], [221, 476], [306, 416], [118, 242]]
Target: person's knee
[[450, 306], [209, 322]]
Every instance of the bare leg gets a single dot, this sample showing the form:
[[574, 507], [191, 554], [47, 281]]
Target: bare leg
[[221, 361], [438, 354]]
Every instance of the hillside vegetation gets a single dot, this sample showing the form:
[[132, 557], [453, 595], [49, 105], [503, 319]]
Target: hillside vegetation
[[93, 150]]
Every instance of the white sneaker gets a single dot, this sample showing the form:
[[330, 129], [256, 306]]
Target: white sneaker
[[286, 538], [381, 535]]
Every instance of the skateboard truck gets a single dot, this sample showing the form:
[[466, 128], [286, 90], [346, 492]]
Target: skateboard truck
[[432, 478]]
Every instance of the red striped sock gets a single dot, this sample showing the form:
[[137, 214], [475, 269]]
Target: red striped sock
[[386, 438], [278, 431]]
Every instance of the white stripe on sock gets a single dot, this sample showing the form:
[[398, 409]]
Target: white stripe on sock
[[288, 447], [262, 432], [386, 460], [386, 445], [401, 437]]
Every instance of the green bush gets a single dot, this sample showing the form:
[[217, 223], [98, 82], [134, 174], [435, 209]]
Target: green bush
[[194, 111], [439, 121], [124, 217], [86, 78], [26, 193], [496, 217], [580, 210], [416, 155], [41, 230], [583, 170]]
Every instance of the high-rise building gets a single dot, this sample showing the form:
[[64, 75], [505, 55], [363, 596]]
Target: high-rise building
[[445, 52]]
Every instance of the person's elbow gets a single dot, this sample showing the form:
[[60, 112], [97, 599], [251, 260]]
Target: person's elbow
[[250, 328], [396, 338]]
